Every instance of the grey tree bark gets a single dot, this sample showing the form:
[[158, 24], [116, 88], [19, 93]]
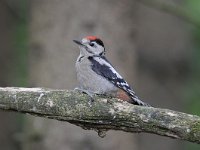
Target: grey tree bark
[[101, 115]]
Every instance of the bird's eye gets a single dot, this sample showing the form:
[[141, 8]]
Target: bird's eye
[[91, 44]]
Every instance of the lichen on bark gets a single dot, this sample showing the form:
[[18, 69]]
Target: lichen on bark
[[101, 115]]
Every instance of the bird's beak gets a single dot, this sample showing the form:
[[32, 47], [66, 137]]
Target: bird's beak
[[78, 42]]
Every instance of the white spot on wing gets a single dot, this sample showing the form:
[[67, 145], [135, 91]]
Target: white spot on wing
[[124, 84]]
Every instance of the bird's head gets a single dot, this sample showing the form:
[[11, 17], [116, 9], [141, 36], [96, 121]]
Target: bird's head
[[91, 46]]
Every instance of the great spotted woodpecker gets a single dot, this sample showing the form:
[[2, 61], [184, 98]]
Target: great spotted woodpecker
[[97, 76]]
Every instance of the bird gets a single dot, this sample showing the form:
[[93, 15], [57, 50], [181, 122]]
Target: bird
[[96, 75]]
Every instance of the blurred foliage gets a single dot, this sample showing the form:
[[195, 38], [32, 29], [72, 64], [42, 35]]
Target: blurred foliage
[[193, 88], [20, 54], [193, 7], [21, 44]]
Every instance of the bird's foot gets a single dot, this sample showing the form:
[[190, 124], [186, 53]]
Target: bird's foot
[[89, 93]]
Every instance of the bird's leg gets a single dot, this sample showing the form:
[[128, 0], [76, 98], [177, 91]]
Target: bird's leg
[[89, 93]]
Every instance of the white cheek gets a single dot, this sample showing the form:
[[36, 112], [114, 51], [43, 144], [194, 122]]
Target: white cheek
[[99, 49]]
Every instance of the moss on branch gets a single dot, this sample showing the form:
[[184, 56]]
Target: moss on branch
[[101, 115]]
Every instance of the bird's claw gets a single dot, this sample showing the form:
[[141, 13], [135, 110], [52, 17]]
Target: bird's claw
[[89, 93]]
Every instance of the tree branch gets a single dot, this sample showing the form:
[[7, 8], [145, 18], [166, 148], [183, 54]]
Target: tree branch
[[101, 115]]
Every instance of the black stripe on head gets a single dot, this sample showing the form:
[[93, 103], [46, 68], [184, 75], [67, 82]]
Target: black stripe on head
[[98, 41]]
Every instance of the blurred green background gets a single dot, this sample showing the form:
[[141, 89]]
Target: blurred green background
[[154, 44]]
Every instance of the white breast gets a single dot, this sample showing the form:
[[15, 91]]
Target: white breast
[[91, 81]]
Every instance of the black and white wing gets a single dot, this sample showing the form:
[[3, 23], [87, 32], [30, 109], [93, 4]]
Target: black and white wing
[[102, 67]]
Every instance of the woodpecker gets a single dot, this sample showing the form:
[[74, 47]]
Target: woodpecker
[[96, 75]]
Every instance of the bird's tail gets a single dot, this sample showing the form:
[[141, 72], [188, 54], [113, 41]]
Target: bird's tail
[[136, 101]]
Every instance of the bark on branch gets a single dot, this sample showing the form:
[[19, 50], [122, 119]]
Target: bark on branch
[[101, 115]]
